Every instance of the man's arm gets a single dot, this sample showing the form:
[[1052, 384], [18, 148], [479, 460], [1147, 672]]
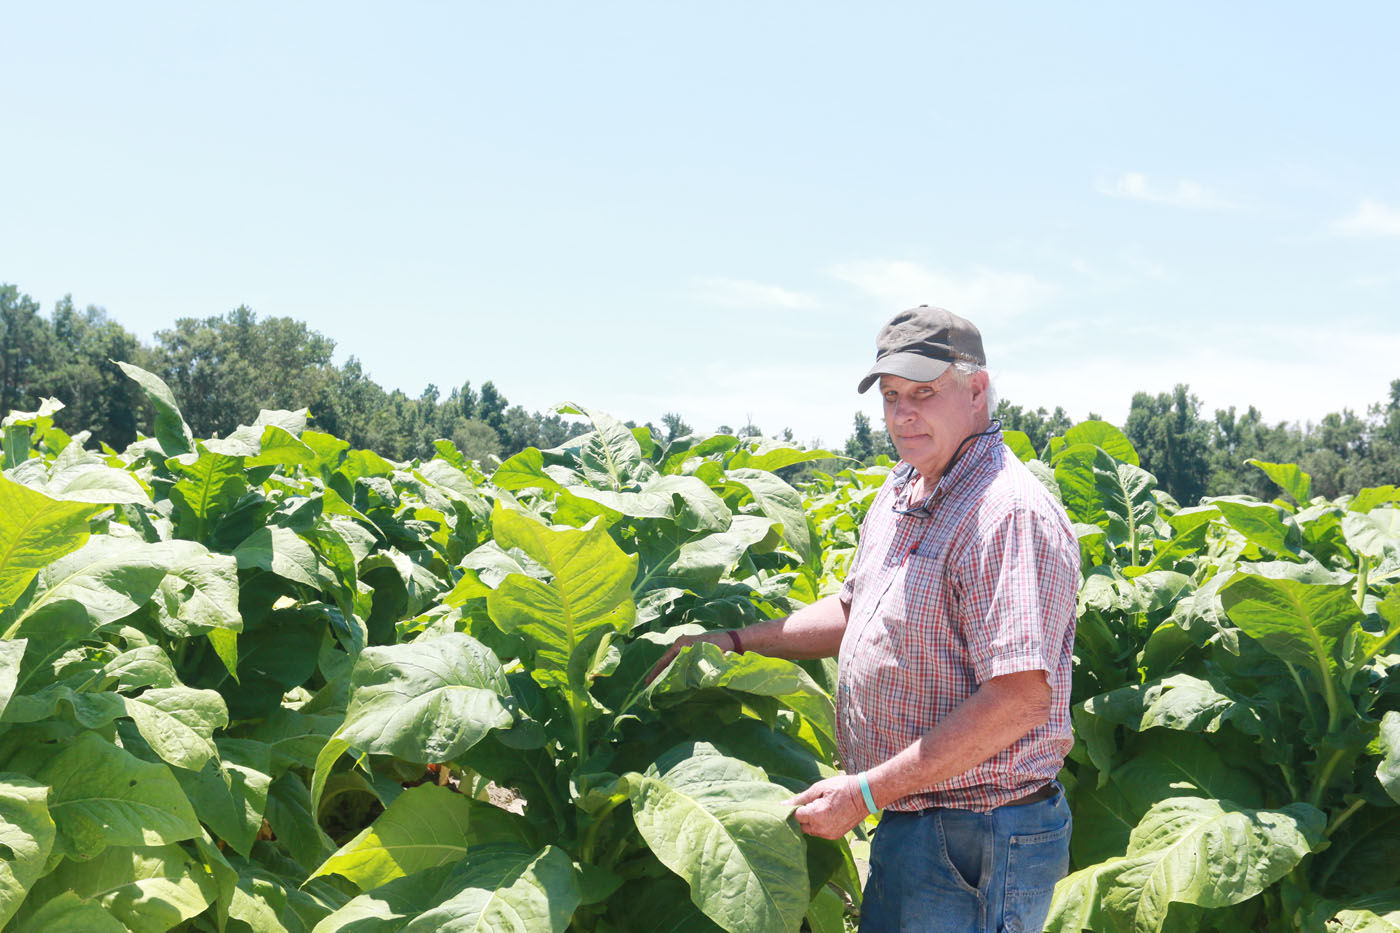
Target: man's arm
[[1001, 711], [811, 632]]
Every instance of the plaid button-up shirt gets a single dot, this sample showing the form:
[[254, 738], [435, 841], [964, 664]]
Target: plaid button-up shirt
[[983, 585]]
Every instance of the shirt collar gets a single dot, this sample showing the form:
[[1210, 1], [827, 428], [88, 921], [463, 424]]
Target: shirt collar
[[972, 456]]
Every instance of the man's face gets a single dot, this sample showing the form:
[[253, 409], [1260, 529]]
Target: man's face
[[927, 420]]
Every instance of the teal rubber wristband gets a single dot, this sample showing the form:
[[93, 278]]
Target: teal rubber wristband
[[865, 792]]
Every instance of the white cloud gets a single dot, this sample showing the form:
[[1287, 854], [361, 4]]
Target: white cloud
[[1369, 219], [981, 294], [1184, 193], [737, 293]]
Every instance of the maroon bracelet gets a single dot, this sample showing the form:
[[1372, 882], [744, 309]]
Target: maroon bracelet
[[738, 643]]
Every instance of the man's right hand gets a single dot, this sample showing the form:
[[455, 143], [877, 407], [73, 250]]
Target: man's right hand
[[723, 639]]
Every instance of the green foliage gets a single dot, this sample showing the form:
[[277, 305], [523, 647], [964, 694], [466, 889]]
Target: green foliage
[[230, 663], [276, 679], [1233, 685]]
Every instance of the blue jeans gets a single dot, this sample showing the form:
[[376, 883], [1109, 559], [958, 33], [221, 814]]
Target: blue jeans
[[958, 871]]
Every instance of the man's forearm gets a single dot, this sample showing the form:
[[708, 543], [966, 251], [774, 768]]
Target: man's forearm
[[1001, 711], [811, 632]]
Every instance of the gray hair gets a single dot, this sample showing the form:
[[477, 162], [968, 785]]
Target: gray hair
[[964, 369]]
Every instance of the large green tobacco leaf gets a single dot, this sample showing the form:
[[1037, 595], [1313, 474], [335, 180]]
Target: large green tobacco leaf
[[172, 432], [780, 502], [590, 589], [1103, 435], [706, 667], [11, 654], [200, 590], [1187, 850], [1367, 499], [104, 796], [1374, 533], [687, 499], [281, 551], [719, 824], [524, 470], [105, 580], [148, 889], [1103, 822], [1367, 644], [1174, 764], [659, 905], [279, 445], [179, 723], [1360, 858], [426, 701], [209, 485], [675, 558], [1163, 763], [1388, 772], [772, 458], [1116, 496], [1288, 477], [686, 448], [610, 454], [1259, 522], [77, 475], [1376, 913], [35, 531], [68, 911], [230, 793], [1302, 623], [1180, 701], [1020, 444], [26, 839], [426, 826], [496, 889]]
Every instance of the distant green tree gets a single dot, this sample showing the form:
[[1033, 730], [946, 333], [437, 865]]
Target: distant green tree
[[1238, 438], [464, 399], [519, 429], [225, 369], [477, 441], [1038, 425], [98, 396], [675, 426], [555, 430], [1172, 441], [866, 443], [861, 443], [27, 352], [492, 407]]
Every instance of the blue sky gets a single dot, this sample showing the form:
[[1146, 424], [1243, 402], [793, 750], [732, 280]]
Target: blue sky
[[711, 208]]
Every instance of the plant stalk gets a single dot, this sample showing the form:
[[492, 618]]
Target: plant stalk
[[1307, 700], [1324, 777], [1342, 817], [1363, 573], [590, 835]]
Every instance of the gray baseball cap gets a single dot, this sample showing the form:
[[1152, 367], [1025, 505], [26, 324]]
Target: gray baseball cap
[[921, 343]]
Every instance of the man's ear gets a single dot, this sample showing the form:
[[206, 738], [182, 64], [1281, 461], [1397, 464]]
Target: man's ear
[[978, 384]]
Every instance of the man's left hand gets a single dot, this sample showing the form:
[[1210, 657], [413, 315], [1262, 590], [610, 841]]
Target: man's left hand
[[831, 808]]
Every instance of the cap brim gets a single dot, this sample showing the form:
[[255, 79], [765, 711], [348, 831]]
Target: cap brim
[[913, 366]]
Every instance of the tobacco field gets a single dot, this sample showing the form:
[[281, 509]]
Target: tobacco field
[[270, 682]]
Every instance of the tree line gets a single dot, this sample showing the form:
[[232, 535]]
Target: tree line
[[225, 369]]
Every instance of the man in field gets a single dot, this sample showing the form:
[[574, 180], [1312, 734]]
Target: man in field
[[954, 631]]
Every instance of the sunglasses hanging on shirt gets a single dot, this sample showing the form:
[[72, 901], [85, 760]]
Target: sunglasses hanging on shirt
[[923, 509]]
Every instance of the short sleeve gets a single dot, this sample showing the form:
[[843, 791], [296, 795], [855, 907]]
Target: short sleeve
[[1018, 582]]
